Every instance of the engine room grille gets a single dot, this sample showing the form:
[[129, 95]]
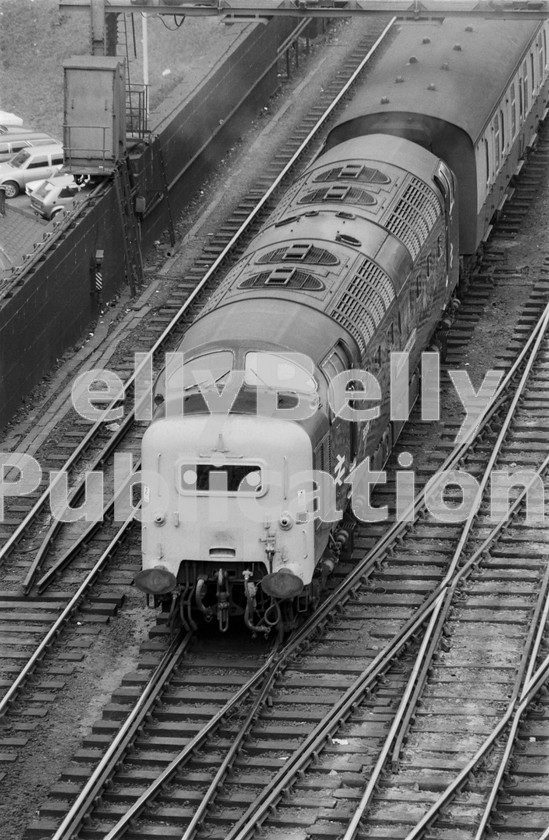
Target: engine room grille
[[364, 303], [414, 215], [300, 252], [289, 278], [355, 171], [341, 192]]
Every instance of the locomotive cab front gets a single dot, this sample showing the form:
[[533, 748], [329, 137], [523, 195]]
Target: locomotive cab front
[[229, 504]]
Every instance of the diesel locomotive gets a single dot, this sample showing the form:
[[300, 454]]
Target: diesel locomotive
[[282, 386]]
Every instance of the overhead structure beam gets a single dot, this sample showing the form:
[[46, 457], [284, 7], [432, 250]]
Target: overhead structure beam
[[97, 20], [495, 9]]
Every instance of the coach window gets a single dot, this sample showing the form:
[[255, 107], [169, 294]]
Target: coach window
[[513, 112], [495, 129], [540, 63], [502, 135], [526, 90], [487, 159], [532, 73]]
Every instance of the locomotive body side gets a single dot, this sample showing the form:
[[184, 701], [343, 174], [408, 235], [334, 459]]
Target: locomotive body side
[[473, 93], [360, 260]]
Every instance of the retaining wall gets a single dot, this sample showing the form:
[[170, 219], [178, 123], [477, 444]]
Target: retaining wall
[[52, 303]]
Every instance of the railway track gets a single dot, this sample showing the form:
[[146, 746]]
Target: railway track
[[68, 578], [329, 700], [335, 662]]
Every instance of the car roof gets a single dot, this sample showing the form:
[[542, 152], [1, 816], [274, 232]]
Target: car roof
[[42, 150], [16, 129]]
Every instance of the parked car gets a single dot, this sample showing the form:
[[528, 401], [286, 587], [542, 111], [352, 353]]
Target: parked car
[[51, 196], [14, 139], [29, 165], [7, 118], [60, 177]]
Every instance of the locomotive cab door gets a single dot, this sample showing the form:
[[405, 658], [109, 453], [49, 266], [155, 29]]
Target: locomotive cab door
[[444, 179]]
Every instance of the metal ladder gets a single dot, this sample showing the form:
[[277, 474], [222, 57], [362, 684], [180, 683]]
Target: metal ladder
[[131, 238]]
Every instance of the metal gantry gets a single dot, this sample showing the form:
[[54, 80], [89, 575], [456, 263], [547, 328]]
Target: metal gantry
[[317, 8]]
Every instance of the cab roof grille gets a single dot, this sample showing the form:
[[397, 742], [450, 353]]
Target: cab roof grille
[[302, 252], [341, 192], [356, 172], [288, 278]]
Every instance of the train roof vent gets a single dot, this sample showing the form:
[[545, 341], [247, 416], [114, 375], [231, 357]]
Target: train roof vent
[[303, 252], [356, 171], [280, 276], [364, 303], [414, 215], [289, 278], [351, 195]]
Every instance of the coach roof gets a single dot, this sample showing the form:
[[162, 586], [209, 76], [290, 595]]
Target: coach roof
[[456, 70]]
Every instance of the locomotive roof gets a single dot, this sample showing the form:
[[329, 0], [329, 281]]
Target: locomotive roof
[[455, 69]]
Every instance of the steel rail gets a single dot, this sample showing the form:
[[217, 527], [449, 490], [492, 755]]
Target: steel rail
[[72, 552], [373, 781], [249, 821], [292, 38], [72, 605], [465, 534], [266, 800], [536, 683], [282, 658], [531, 656], [122, 739], [524, 677], [302, 636], [476, 558], [228, 761], [62, 619], [73, 496], [470, 437], [402, 716], [265, 673], [218, 262], [376, 554], [432, 604]]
